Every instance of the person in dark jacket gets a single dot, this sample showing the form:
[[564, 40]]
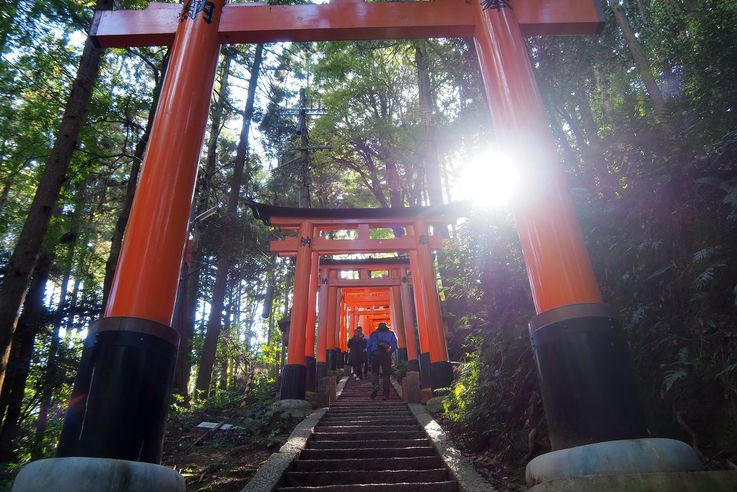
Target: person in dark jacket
[[357, 347], [382, 345]]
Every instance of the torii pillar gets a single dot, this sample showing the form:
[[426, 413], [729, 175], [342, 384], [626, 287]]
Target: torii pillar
[[585, 371], [310, 360], [322, 328], [331, 315], [295, 372], [121, 393]]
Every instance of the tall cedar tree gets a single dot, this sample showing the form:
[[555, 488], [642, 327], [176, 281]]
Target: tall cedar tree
[[23, 259]]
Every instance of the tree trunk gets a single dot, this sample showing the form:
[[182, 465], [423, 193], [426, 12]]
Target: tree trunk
[[187, 318], [28, 326], [427, 150], [641, 62], [304, 168], [49, 381], [23, 259], [117, 240], [209, 349]]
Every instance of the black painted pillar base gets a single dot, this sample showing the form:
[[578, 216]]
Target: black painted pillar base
[[332, 360], [321, 370], [441, 374], [402, 354], [424, 362], [310, 380], [121, 393], [413, 365], [586, 376], [293, 382], [339, 359]]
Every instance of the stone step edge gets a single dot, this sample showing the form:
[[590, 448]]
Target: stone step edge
[[383, 475], [460, 468], [369, 486], [268, 475]]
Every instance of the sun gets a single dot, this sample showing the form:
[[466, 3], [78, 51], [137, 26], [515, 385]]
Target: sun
[[490, 180]]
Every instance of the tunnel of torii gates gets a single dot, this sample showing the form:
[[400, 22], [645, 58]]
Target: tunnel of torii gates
[[120, 396], [345, 303]]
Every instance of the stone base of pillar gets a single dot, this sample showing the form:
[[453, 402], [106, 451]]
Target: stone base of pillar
[[331, 359], [441, 374], [326, 391], [424, 361], [411, 387], [402, 354], [293, 382], [339, 359], [413, 365], [629, 456], [630, 464], [321, 370], [94, 474], [586, 376], [310, 379], [713, 481], [121, 393]]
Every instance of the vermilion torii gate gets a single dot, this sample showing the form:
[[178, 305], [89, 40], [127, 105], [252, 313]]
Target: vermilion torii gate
[[120, 398], [311, 242], [401, 313]]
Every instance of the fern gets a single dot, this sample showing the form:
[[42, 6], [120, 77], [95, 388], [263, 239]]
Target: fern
[[672, 376]]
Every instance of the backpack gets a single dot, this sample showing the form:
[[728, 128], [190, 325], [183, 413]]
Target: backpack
[[382, 344]]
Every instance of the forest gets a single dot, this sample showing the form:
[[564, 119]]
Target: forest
[[644, 115]]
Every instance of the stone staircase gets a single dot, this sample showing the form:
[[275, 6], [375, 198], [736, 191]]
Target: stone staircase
[[368, 445]]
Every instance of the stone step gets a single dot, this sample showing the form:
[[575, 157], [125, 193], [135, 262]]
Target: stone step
[[377, 403], [368, 422], [363, 477], [449, 486], [366, 428], [394, 443], [366, 436], [329, 454], [403, 413], [408, 463]]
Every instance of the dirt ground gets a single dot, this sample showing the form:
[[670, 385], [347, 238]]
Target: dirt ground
[[218, 460]]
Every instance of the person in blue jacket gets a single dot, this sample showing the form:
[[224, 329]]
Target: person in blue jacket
[[382, 344]]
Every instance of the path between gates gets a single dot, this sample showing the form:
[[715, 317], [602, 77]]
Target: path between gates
[[364, 444]]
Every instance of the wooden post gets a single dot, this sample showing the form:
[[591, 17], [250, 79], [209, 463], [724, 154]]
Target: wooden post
[[322, 328], [310, 360], [574, 334], [397, 319], [409, 326], [441, 372], [418, 287], [295, 372], [120, 397], [331, 328]]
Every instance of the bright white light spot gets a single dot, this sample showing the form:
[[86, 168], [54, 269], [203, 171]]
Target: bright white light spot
[[490, 180]]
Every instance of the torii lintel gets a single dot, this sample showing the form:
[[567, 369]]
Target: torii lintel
[[343, 20]]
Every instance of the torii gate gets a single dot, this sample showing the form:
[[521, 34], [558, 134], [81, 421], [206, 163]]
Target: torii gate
[[309, 244], [401, 313], [401, 306], [119, 402]]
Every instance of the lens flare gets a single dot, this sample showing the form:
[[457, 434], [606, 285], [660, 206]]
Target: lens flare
[[490, 180]]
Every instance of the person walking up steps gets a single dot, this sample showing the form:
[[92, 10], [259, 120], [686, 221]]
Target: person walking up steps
[[382, 344], [357, 345]]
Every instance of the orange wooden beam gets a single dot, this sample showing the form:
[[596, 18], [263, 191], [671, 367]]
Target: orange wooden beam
[[288, 246], [341, 21], [372, 282]]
